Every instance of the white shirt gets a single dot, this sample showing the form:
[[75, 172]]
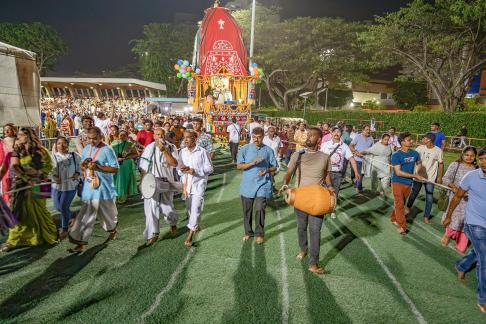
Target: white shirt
[[393, 142], [275, 144], [77, 122], [430, 160], [64, 168], [103, 124], [154, 162], [352, 135], [234, 133], [198, 159], [251, 127], [337, 159]]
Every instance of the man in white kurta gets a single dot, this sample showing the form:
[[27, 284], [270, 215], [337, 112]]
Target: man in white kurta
[[274, 142], [194, 166], [159, 158]]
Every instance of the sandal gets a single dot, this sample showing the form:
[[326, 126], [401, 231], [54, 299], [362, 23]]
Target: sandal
[[301, 256], [76, 249]]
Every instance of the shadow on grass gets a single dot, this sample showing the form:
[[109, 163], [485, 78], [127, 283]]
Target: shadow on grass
[[324, 308], [53, 279], [256, 291], [18, 259]]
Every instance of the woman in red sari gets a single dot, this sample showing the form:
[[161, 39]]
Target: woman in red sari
[[6, 149]]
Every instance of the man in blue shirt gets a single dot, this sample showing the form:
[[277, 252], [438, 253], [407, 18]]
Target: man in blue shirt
[[474, 184], [258, 162], [406, 164], [99, 162], [440, 138], [360, 143]]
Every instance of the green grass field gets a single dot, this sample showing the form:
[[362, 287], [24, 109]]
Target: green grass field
[[374, 274]]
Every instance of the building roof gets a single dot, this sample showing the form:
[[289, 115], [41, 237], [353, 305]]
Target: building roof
[[173, 100], [8, 49], [106, 81]]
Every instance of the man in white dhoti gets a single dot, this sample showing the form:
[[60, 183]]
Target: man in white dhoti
[[195, 166], [159, 158], [99, 162]]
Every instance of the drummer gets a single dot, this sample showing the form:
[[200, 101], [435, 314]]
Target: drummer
[[159, 158], [315, 168]]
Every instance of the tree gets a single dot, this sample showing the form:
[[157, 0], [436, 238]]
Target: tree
[[159, 48], [37, 37], [409, 93], [304, 54], [444, 43]]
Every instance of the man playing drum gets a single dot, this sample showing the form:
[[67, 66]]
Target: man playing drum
[[195, 166], [159, 158], [311, 166]]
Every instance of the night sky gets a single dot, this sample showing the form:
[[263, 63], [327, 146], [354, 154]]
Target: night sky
[[97, 32]]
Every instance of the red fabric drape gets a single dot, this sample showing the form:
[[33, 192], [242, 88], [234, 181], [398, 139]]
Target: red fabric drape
[[221, 45]]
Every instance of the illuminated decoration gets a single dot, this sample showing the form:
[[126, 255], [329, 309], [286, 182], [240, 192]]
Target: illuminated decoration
[[220, 86]]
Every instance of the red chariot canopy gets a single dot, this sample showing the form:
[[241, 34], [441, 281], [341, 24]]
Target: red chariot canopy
[[221, 47]]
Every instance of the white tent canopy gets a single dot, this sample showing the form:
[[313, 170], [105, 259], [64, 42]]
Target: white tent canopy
[[19, 87]]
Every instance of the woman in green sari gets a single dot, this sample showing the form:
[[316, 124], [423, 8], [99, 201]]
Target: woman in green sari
[[31, 163], [125, 181]]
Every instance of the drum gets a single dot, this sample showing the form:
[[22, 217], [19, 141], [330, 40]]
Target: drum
[[150, 186], [314, 200]]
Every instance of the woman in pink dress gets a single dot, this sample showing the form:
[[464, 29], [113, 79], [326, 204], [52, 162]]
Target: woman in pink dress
[[6, 149]]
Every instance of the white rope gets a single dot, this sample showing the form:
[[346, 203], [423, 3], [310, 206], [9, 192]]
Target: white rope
[[35, 185], [387, 164]]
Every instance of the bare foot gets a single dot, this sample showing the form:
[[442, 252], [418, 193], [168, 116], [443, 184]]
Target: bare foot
[[461, 275], [260, 240], [152, 241], [62, 235], [173, 230], [395, 223], [113, 235], [317, 269], [445, 240], [188, 243], [426, 220], [77, 249], [301, 256], [402, 231], [406, 211], [6, 247], [246, 238], [482, 307]]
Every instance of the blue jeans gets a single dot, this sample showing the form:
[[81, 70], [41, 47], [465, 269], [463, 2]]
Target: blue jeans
[[477, 256], [358, 183], [62, 202], [429, 196]]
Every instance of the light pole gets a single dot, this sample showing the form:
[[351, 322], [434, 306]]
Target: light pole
[[252, 32], [305, 95]]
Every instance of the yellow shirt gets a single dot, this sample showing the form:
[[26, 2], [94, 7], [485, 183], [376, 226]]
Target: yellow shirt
[[300, 137]]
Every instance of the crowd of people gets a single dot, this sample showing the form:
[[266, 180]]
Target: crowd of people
[[116, 144]]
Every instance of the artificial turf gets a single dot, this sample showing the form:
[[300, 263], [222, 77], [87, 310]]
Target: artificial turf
[[225, 280]]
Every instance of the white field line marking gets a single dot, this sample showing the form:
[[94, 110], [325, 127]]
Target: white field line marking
[[428, 230], [172, 281], [285, 282], [396, 283], [420, 318], [220, 194]]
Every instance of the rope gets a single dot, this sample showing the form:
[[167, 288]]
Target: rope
[[387, 164], [35, 185]]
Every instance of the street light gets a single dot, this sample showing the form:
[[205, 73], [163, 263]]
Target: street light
[[305, 95]]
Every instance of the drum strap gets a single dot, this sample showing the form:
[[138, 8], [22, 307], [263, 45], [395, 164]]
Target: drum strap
[[297, 166]]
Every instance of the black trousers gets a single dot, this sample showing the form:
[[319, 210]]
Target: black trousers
[[260, 204], [233, 150]]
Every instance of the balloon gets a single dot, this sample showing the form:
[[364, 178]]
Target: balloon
[[180, 62], [189, 69], [260, 70], [188, 74], [254, 65], [258, 81], [186, 62], [198, 70], [179, 75], [177, 66]]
